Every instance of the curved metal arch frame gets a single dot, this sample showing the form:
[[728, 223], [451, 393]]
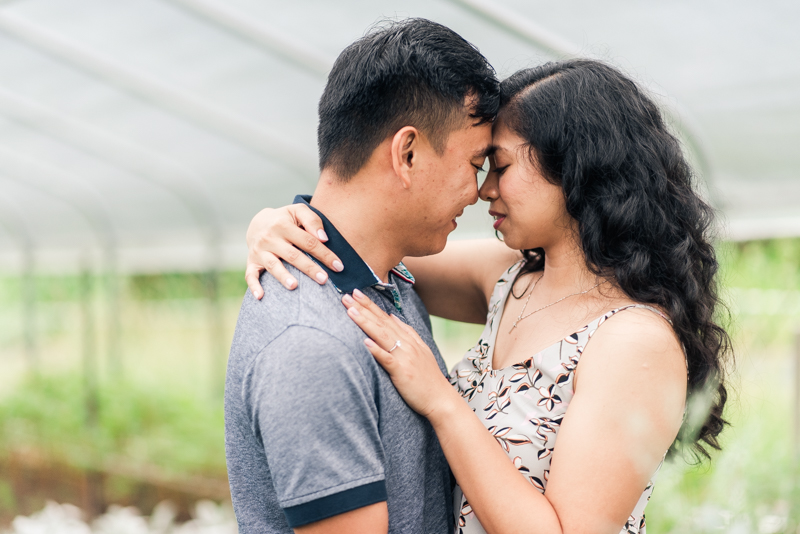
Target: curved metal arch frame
[[231, 126], [538, 36]]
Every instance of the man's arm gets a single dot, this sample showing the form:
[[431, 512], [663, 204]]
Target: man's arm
[[313, 407], [372, 519]]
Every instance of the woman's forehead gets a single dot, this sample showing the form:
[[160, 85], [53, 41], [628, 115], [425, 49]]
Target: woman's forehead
[[504, 140]]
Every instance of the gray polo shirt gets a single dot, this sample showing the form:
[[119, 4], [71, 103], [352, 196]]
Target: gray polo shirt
[[313, 425]]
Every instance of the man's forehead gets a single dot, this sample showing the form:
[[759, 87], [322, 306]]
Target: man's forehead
[[471, 139]]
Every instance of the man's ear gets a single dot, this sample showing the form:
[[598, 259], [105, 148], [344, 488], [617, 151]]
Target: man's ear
[[405, 146]]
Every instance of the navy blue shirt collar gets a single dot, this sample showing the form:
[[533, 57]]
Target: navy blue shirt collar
[[356, 274]]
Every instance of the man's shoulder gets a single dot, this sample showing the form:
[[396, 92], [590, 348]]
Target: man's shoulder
[[306, 358], [310, 316], [303, 339], [308, 304]]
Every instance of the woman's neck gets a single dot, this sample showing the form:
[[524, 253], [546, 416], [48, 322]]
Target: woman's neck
[[565, 270]]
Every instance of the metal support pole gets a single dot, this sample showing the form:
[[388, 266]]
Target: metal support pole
[[89, 345], [796, 411], [217, 351], [28, 301], [114, 358]]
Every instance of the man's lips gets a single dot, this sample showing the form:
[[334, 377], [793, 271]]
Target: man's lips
[[498, 219]]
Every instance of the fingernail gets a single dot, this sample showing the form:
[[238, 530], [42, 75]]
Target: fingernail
[[321, 277], [358, 294], [322, 235], [368, 342], [290, 282], [337, 266], [348, 300], [353, 312]]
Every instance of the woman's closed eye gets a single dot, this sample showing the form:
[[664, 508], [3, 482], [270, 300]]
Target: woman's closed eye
[[499, 170]]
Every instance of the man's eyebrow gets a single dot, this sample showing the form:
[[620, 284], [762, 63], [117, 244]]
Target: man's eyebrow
[[485, 152]]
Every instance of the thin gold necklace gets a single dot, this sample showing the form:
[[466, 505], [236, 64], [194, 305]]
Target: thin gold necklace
[[521, 317]]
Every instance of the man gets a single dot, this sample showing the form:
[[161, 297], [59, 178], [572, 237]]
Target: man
[[317, 438]]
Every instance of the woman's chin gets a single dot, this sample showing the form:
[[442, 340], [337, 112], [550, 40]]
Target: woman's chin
[[510, 241], [515, 243]]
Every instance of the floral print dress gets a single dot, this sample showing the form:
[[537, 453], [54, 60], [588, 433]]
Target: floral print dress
[[523, 405]]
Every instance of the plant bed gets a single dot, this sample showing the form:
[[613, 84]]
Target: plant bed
[[30, 480], [143, 444]]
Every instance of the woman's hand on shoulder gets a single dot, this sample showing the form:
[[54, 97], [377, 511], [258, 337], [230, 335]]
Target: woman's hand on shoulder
[[284, 234]]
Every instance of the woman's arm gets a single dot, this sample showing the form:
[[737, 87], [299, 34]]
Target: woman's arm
[[623, 417], [625, 413], [455, 284]]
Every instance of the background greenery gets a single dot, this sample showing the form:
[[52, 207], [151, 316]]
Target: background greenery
[[163, 412]]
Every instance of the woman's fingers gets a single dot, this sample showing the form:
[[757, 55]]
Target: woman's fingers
[[272, 264], [307, 242], [407, 329], [385, 359], [274, 235], [300, 261], [374, 322], [309, 220], [373, 308], [312, 224], [252, 276]]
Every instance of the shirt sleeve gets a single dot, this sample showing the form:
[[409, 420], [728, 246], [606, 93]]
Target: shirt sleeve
[[314, 410]]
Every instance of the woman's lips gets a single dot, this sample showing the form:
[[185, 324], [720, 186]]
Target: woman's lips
[[498, 219]]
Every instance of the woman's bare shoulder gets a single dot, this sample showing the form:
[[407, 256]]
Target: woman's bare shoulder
[[639, 348]]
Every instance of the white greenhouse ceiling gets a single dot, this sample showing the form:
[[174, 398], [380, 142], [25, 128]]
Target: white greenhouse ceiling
[[146, 133]]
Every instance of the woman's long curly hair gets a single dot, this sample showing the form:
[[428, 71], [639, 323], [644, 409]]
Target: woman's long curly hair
[[595, 133]]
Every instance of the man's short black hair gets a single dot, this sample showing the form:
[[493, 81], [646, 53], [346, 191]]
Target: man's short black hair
[[409, 73]]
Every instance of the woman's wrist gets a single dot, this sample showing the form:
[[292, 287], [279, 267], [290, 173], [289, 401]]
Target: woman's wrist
[[446, 408]]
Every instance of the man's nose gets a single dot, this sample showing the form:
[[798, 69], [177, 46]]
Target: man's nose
[[475, 196], [488, 190]]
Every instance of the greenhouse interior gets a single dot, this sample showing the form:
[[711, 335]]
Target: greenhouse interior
[[139, 138]]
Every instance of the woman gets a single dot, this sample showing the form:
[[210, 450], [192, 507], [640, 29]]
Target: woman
[[587, 181]]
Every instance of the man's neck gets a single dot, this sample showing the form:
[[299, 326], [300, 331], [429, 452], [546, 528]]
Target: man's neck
[[363, 220]]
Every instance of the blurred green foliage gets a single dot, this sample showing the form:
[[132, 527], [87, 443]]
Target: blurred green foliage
[[134, 426], [769, 264], [160, 286], [184, 285], [156, 424]]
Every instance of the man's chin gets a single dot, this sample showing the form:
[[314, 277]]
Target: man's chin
[[428, 247]]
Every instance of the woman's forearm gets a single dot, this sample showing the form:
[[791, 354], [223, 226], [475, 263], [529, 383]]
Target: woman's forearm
[[457, 282], [501, 498]]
